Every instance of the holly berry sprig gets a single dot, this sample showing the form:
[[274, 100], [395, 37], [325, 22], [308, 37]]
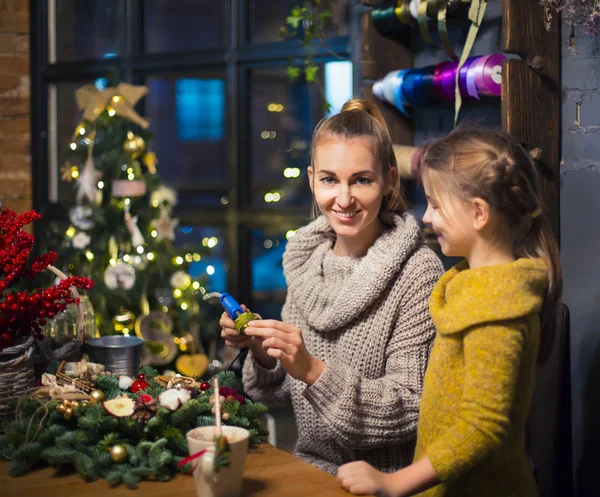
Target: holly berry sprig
[[24, 313]]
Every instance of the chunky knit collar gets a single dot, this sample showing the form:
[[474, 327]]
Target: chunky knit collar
[[330, 291], [466, 297]]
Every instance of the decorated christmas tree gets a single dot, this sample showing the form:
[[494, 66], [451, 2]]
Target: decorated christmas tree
[[121, 227]]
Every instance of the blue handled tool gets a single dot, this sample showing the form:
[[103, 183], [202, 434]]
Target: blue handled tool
[[231, 306]]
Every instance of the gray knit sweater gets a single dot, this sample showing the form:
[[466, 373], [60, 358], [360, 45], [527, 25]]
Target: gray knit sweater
[[368, 320]]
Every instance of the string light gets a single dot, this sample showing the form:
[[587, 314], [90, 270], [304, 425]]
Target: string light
[[89, 256], [177, 293], [73, 146], [111, 112], [154, 233], [289, 234], [82, 131], [189, 258], [197, 257], [210, 270], [140, 250], [150, 256], [179, 260], [195, 285], [70, 232], [212, 242], [100, 184], [112, 262], [126, 257], [184, 306]]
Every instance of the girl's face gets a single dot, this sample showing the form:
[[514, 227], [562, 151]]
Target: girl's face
[[348, 186], [450, 217]]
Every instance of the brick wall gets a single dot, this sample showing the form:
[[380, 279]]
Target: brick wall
[[580, 244], [15, 135]]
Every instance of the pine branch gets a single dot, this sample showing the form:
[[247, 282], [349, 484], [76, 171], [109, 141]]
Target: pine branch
[[24, 459], [56, 455], [84, 465]]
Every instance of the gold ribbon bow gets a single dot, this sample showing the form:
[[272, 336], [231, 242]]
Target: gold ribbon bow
[[120, 99]]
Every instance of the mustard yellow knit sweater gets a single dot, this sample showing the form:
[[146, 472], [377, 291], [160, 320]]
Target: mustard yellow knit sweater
[[480, 378]]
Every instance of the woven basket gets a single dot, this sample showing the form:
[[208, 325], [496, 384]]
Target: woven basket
[[16, 367]]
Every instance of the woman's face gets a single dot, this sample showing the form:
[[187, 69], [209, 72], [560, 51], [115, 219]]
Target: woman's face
[[349, 186]]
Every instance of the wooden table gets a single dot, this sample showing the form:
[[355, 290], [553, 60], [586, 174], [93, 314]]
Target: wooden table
[[269, 472]]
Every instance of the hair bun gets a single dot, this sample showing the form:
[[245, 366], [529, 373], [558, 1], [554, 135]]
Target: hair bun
[[368, 107]]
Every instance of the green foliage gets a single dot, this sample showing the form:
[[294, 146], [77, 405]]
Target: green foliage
[[83, 442], [308, 21]]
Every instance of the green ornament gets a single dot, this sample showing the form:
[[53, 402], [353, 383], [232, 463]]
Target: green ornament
[[241, 322]]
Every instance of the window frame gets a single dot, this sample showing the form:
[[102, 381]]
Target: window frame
[[238, 58]]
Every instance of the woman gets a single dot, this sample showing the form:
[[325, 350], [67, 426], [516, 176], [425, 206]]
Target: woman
[[352, 349]]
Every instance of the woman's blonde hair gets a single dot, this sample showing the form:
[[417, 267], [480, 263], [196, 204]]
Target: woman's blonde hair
[[362, 119], [480, 163]]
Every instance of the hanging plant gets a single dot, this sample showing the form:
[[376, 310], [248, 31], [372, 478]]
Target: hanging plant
[[308, 21], [574, 12]]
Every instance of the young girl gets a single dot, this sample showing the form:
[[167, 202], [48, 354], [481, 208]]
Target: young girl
[[491, 311], [351, 350]]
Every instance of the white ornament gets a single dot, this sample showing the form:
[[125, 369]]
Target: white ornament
[[180, 280], [164, 226], [80, 217], [125, 382], [81, 240], [121, 275], [171, 399], [163, 194], [137, 238], [87, 183]]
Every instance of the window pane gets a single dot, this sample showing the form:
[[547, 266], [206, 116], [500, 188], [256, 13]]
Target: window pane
[[283, 116], [266, 18], [211, 243], [268, 283], [179, 25], [86, 29], [187, 112]]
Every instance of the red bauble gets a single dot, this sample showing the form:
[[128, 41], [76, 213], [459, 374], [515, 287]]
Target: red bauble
[[205, 385], [139, 384]]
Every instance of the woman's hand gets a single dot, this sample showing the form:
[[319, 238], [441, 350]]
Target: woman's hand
[[284, 341], [360, 478], [230, 334], [233, 339]]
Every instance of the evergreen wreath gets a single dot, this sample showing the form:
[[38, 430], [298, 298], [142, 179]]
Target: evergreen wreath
[[151, 442]]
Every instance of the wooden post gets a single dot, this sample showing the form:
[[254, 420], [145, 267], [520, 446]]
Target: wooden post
[[531, 88]]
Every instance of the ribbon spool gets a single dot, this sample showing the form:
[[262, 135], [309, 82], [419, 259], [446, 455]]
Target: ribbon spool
[[390, 20], [479, 76]]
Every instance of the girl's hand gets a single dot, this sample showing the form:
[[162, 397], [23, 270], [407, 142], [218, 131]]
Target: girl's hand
[[230, 334], [284, 342], [360, 478]]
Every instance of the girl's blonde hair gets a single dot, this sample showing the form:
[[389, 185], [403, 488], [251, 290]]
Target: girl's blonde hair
[[480, 163], [362, 119]]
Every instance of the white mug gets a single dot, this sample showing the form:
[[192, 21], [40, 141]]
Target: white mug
[[227, 482]]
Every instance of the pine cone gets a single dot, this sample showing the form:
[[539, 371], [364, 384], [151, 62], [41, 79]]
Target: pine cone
[[145, 408]]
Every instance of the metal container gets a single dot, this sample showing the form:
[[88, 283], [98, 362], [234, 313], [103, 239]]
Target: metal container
[[118, 354]]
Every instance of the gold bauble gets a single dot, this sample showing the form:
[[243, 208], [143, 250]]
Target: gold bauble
[[68, 412], [134, 145], [60, 408], [96, 396], [124, 322], [118, 453], [226, 416]]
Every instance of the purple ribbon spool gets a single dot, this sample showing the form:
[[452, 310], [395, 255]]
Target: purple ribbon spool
[[468, 88], [488, 75], [443, 84]]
